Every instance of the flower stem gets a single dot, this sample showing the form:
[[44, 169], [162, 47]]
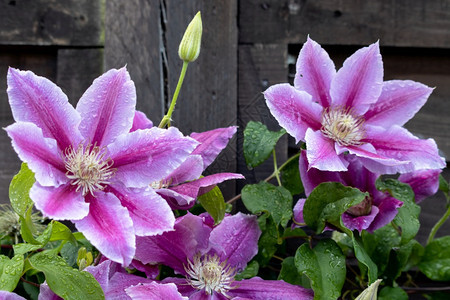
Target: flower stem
[[167, 118], [438, 225]]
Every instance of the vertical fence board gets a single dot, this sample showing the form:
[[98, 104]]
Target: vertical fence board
[[132, 38]]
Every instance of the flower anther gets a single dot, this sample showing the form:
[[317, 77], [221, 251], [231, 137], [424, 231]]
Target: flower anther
[[343, 126], [210, 274], [88, 168]]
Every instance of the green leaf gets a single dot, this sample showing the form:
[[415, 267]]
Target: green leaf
[[290, 274], [379, 244], [392, 293], [61, 232], [325, 267], [296, 232], [327, 202], [65, 281], [267, 244], [401, 259], [290, 177], [38, 243], [443, 186], [408, 215], [10, 272], [214, 203], [435, 263], [363, 257], [265, 197], [259, 142], [250, 271], [370, 293], [19, 191]]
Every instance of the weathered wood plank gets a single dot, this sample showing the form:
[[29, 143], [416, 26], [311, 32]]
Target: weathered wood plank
[[133, 39], [42, 61], [421, 23], [77, 69], [260, 66], [208, 98], [52, 22]]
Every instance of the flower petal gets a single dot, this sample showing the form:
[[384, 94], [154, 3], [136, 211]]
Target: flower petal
[[59, 203], [176, 200], [298, 212], [146, 156], [154, 290], [37, 100], [190, 169], [398, 143], [109, 228], [41, 154], [399, 101], [120, 282], [359, 222], [294, 110], [424, 183], [212, 142], [321, 153], [140, 121], [203, 185], [235, 239], [315, 70], [358, 83], [107, 107], [174, 248], [258, 289], [388, 209], [312, 177], [150, 213], [5, 295]]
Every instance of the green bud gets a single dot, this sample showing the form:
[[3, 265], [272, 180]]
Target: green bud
[[84, 258], [190, 44], [370, 293]]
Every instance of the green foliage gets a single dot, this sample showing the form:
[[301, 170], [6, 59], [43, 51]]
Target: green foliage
[[364, 258], [65, 281], [265, 197], [214, 203], [408, 215], [290, 177], [327, 202], [10, 272], [392, 293], [444, 187], [250, 271], [268, 241], [325, 267], [19, 191], [435, 263], [259, 142], [290, 274]]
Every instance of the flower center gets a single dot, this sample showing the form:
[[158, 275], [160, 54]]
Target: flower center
[[88, 168], [210, 274], [343, 126], [363, 208]]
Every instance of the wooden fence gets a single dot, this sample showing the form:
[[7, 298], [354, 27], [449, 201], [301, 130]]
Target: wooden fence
[[247, 46]]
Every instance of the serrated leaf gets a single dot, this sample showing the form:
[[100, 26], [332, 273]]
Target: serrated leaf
[[214, 203], [408, 215], [392, 293], [259, 142], [290, 177], [327, 202], [265, 197], [363, 257], [10, 272], [250, 271], [325, 267], [19, 190], [435, 263], [65, 281]]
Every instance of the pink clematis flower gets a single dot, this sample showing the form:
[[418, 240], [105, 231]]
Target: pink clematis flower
[[89, 167], [353, 111], [210, 256], [372, 213], [182, 187]]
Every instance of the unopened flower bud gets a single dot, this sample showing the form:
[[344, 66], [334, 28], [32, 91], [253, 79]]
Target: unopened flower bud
[[190, 44], [370, 292]]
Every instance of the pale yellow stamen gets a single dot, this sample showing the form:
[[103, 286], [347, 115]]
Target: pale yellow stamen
[[210, 274], [88, 168], [343, 126]]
